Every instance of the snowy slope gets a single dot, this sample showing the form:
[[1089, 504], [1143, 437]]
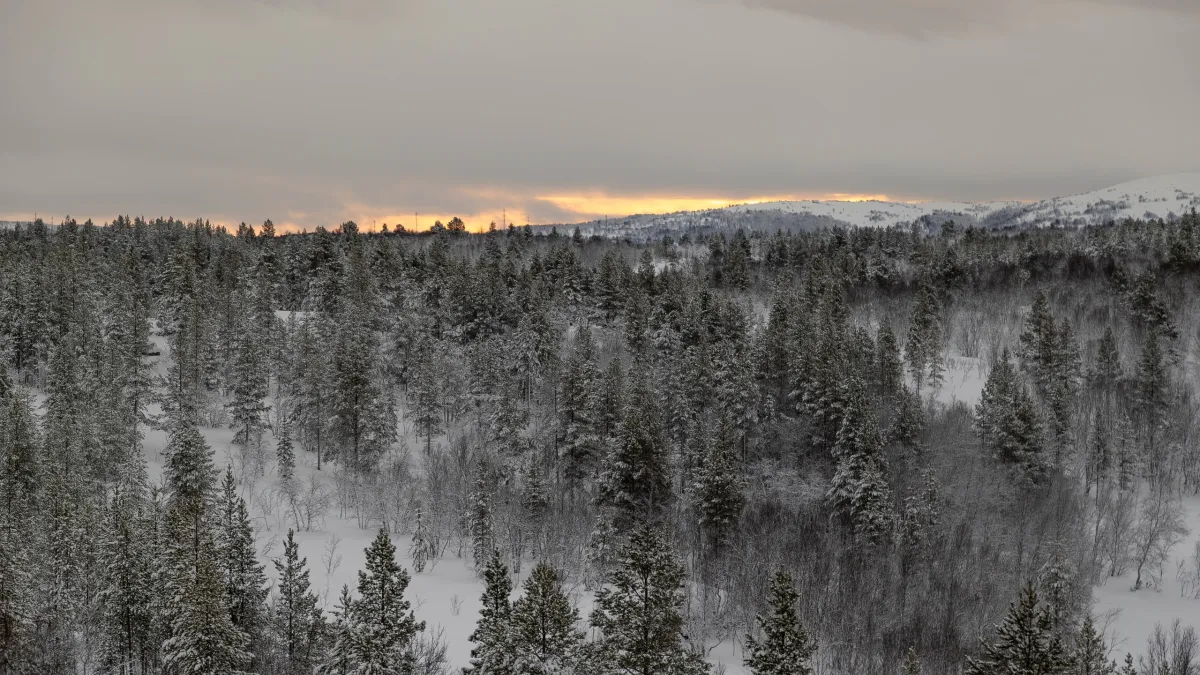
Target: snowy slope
[[1158, 197], [877, 213], [1164, 197]]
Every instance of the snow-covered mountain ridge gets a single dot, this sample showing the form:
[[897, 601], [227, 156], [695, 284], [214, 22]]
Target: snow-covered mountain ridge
[[1167, 197]]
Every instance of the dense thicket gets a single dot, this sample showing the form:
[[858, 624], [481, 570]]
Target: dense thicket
[[671, 423]]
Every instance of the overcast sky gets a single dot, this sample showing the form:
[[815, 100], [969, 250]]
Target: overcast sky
[[314, 111]]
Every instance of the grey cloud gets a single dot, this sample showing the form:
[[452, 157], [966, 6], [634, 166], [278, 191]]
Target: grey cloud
[[938, 18], [460, 105]]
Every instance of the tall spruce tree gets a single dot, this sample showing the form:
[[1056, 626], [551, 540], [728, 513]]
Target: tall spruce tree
[[377, 628], [244, 580], [636, 481], [718, 493], [1026, 642], [785, 647], [638, 613], [545, 638], [493, 653], [296, 622]]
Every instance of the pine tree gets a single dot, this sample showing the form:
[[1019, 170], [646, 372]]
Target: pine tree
[[377, 628], [285, 456], [479, 520], [297, 625], [1026, 643], [1153, 383], [1090, 656], [545, 637], [19, 488], [638, 612], [909, 428], [888, 364], [203, 639], [244, 580], [718, 491], [425, 396], [578, 410], [859, 488], [636, 481], [1009, 426], [1038, 344], [785, 648], [191, 481], [421, 549], [341, 657], [493, 653], [924, 347], [311, 401], [1107, 371], [127, 558], [248, 408], [357, 397]]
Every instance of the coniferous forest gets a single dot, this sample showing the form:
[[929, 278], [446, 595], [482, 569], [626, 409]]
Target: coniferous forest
[[644, 451]]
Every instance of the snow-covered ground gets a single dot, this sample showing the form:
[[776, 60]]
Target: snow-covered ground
[[964, 378], [1133, 614]]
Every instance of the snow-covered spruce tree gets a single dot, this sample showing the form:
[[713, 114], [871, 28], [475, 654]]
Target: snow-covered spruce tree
[[908, 431], [1106, 373], [1026, 642], [1090, 654], [889, 367], [248, 407], [785, 647], [421, 548], [611, 405], [244, 580], [636, 479], [296, 622], [356, 408], [312, 399], [924, 347], [19, 494], [578, 410], [479, 520], [638, 613], [545, 636], [285, 458], [376, 629], [718, 492], [1152, 392], [127, 558], [1039, 344], [1009, 426], [535, 505], [922, 514], [859, 488], [425, 395], [493, 653], [203, 639], [191, 483], [340, 658]]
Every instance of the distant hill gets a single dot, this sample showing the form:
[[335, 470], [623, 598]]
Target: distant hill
[[1166, 197]]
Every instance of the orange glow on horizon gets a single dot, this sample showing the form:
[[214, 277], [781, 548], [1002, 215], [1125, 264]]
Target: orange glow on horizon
[[598, 204], [575, 207]]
